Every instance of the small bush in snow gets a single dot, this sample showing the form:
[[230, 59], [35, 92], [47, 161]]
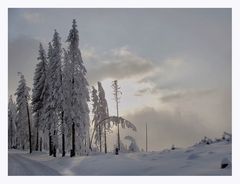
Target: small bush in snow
[[227, 137], [133, 147], [206, 140], [226, 163]]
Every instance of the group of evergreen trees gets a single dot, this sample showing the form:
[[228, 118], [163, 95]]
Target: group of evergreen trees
[[57, 119], [58, 102]]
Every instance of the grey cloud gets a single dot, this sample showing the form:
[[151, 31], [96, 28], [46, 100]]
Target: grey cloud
[[32, 17], [120, 63], [193, 73], [143, 91], [22, 57], [186, 95]]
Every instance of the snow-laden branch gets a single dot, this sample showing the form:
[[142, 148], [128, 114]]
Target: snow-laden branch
[[123, 122], [115, 121]]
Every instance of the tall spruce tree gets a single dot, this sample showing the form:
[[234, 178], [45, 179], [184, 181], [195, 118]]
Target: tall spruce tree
[[66, 103], [23, 113], [47, 116], [62, 103], [12, 131], [55, 87], [38, 89], [79, 111]]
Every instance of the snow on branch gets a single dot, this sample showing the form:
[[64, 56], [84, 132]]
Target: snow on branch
[[123, 122]]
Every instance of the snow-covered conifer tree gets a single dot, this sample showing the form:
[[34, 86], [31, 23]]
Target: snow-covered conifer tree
[[96, 118], [66, 103], [79, 95], [23, 113], [38, 89], [12, 131], [62, 104], [47, 118], [103, 113], [100, 112], [55, 87]]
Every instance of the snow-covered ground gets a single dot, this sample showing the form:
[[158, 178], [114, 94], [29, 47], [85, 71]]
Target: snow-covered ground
[[20, 165], [196, 160]]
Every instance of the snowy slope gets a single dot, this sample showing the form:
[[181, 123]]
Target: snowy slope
[[195, 160], [19, 165]]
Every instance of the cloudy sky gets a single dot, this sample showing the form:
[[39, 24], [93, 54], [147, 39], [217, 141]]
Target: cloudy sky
[[173, 65]]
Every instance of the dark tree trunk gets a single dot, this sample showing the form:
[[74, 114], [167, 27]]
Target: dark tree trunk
[[63, 136], [100, 137], [37, 140], [146, 139], [62, 119], [73, 140], [54, 144], [63, 145], [105, 139], [118, 137], [41, 144], [89, 140], [50, 143], [29, 131], [72, 154], [54, 151], [85, 143]]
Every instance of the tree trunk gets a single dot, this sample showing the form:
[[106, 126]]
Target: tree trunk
[[89, 140], [63, 136], [50, 143], [63, 145], [118, 133], [72, 154], [73, 140], [41, 144], [36, 148], [54, 144], [90, 143], [85, 145], [100, 137], [29, 131], [118, 137], [105, 138], [37, 140], [146, 139]]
